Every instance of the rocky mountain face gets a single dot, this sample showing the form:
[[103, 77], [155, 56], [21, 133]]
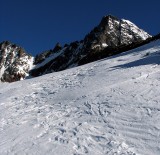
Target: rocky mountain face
[[15, 63], [110, 37], [114, 32], [110, 33]]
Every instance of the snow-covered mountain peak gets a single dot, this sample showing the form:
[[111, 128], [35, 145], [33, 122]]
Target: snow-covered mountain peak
[[106, 19], [109, 36], [15, 63], [115, 32], [110, 33], [112, 21]]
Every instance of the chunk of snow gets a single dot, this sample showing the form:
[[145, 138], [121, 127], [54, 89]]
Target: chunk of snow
[[104, 45]]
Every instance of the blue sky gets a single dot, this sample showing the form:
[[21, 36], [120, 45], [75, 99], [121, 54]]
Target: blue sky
[[37, 25]]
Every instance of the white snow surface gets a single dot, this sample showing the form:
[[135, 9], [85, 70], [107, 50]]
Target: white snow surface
[[104, 45], [108, 107], [2, 70]]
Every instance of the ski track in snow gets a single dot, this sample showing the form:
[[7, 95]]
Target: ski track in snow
[[95, 109]]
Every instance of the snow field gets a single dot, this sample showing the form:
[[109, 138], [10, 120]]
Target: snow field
[[111, 107]]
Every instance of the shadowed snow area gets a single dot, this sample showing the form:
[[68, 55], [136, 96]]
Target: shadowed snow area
[[109, 107]]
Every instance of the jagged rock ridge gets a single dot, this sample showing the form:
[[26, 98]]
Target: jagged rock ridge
[[110, 37], [15, 63], [110, 33]]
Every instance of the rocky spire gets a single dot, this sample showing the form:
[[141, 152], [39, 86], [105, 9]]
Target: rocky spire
[[57, 47], [15, 63]]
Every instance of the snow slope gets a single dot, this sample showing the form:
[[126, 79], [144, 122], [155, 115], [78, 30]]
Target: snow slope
[[109, 107]]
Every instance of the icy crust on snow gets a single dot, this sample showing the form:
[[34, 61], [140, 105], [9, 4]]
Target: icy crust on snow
[[110, 107]]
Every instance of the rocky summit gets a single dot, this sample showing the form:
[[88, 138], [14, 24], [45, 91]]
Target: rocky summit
[[114, 32], [104, 40], [15, 63]]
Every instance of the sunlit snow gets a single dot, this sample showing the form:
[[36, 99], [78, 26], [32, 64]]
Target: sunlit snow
[[108, 107]]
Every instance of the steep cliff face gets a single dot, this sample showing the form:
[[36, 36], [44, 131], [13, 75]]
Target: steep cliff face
[[114, 32], [15, 63], [110, 33]]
